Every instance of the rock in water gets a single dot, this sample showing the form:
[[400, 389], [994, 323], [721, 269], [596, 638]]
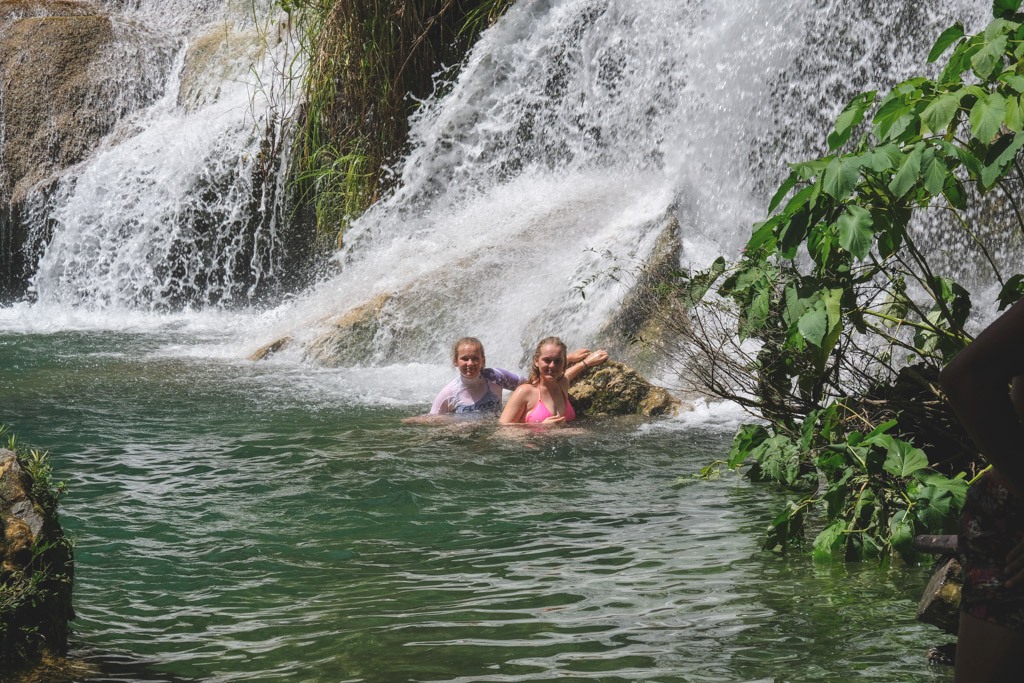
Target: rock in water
[[616, 389], [36, 569]]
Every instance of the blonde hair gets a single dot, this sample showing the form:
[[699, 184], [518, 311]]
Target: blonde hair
[[467, 341], [546, 341]]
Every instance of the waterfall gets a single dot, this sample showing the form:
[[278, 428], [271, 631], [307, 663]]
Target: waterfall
[[575, 134], [576, 127], [180, 205]]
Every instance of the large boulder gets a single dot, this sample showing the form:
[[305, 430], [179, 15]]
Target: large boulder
[[616, 389], [36, 567]]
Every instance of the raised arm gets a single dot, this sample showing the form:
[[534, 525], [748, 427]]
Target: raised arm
[[584, 363]]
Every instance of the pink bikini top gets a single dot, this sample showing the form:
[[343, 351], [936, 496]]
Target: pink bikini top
[[540, 411]]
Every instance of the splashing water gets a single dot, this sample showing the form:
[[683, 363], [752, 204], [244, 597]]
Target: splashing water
[[575, 134]]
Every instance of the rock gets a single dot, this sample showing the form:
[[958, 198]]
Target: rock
[[615, 389], [637, 332], [940, 603], [36, 569], [268, 350], [349, 336]]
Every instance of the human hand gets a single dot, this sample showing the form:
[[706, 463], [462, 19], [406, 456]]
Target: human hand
[[577, 355], [595, 358], [1015, 565], [554, 419]]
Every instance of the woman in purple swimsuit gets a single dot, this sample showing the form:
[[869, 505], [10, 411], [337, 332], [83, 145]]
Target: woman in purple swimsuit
[[544, 398], [978, 384]]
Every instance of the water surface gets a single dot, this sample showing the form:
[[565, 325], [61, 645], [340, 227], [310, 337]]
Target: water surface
[[245, 521]]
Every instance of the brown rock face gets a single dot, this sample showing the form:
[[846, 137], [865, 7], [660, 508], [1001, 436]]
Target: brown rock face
[[51, 116], [68, 74]]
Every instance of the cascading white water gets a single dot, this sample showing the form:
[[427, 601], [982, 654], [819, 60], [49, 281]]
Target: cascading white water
[[168, 212], [574, 129], [576, 124]]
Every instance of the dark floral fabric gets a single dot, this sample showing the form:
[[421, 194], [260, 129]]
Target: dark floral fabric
[[991, 524]]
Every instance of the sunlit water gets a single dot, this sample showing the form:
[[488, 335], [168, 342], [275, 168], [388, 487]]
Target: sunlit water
[[245, 521]]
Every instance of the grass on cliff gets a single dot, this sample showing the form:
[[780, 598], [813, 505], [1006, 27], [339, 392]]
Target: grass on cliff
[[369, 63]]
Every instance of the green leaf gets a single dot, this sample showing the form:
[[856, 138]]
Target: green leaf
[[1005, 9], [1014, 117], [841, 176], [901, 533], [987, 115], [991, 172], [850, 117], [829, 538], [1011, 292], [814, 324], [989, 59], [903, 459], [756, 314], [855, 234], [882, 159], [1014, 81], [947, 38], [910, 170], [933, 172], [747, 438], [940, 111], [788, 184], [892, 117], [956, 486]]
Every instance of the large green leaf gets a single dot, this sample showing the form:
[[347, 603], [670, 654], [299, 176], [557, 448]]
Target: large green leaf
[[850, 117], [989, 60], [940, 111], [991, 172], [1014, 117], [892, 117], [788, 184], [813, 325], [910, 170], [747, 438], [987, 116], [841, 176], [882, 159], [903, 459], [933, 172], [828, 539], [947, 38], [855, 234]]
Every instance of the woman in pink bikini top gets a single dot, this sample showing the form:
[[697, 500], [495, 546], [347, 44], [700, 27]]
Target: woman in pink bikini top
[[544, 398]]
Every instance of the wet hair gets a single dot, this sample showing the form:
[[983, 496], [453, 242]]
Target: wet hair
[[546, 341], [467, 341]]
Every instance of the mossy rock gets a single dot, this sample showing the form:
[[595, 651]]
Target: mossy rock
[[616, 389], [36, 570]]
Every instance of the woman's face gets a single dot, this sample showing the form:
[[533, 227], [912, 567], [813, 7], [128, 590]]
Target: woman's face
[[469, 360], [551, 361]]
